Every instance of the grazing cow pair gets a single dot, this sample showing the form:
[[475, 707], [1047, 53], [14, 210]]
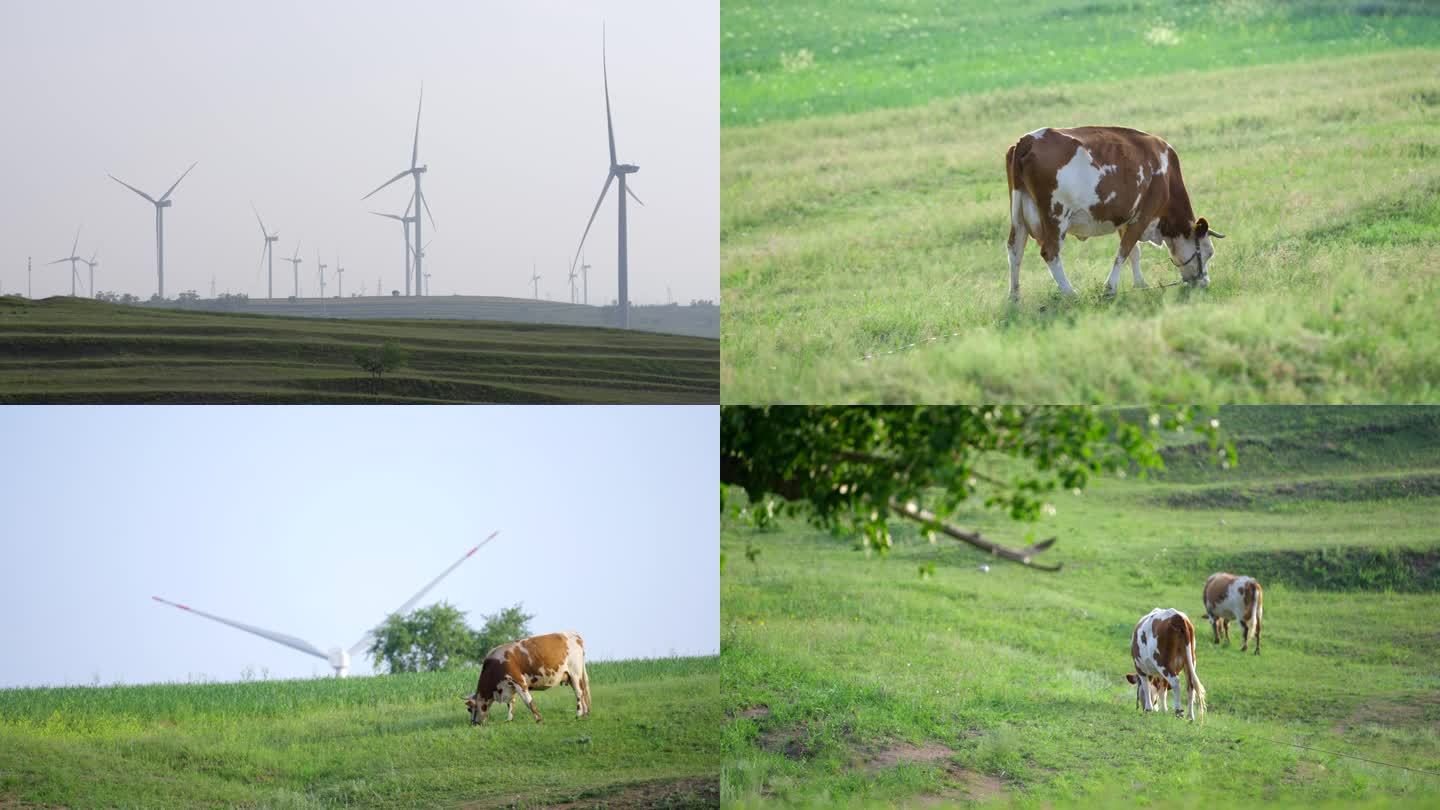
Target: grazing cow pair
[[530, 664], [1091, 181], [1163, 643]]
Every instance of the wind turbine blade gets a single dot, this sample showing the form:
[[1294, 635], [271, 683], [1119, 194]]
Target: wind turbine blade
[[386, 183], [132, 188], [177, 182], [76, 246], [297, 250], [57, 261], [608, 179], [415, 153], [387, 216], [426, 203], [259, 220], [605, 70], [631, 192], [365, 639], [410, 204], [279, 638]]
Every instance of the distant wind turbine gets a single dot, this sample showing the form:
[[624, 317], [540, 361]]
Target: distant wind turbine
[[295, 266], [419, 201], [535, 279], [585, 277], [573, 274], [268, 251], [617, 170], [160, 206], [404, 221], [72, 258], [422, 285], [339, 276], [322, 265], [336, 657], [92, 264]]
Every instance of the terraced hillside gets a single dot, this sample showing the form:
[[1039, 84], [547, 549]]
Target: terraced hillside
[[854, 680], [67, 350], [697, 320]]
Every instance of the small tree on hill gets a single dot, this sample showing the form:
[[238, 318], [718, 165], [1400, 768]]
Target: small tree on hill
[[388, 357], [424, 640], [507, 625]]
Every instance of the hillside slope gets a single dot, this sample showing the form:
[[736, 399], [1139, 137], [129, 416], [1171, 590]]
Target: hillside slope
[[849, 679], [68, 350], [388, 741]]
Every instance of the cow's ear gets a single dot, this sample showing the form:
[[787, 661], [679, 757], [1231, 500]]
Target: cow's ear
[[1201, 228], [1130, 676]]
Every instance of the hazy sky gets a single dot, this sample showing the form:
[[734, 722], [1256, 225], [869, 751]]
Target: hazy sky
[[319, 521], [304, 108]]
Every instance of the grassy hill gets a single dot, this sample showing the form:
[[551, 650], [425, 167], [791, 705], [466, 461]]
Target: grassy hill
[[853, 680], [696, 321], [69, 350], [864, 208], [391, 741]]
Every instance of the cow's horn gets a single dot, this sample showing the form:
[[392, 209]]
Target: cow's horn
[[1217, 234]]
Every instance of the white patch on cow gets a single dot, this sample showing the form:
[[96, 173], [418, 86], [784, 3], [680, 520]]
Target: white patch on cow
[[1110, 198], [1039, 133], [1232, 603], [1164, 161], [1152, 233], [1077, 190], [1142, 175], [1030, 211]]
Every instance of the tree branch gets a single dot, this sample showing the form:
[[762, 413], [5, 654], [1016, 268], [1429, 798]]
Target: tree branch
[[932, 520]]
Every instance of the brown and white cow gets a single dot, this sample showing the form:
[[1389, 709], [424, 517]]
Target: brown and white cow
[[1162, 646], [530, 664], [1091, 181], [1227, 597]]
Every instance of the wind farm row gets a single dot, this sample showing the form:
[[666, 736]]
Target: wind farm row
[[417, 278]]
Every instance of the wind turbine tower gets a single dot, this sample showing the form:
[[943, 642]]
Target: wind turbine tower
[[337, 657], [573, 275], [295, 263], [404, 220], [339, 276], [585, 278], [92, 264], [160, 206], [72, 258], [618, 171], [419, 201], [267, 252], [535, 279]]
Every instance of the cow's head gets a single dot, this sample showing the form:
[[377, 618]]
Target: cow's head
[[477, 706], [1192, 252], [1151, 685]]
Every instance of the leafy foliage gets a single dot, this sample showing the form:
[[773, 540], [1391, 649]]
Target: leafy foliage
[[507, 625], [388, 357], [849, 466], [425, 640]]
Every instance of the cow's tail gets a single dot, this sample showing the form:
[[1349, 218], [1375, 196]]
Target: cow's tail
[[1258, 612], [1192, 679]]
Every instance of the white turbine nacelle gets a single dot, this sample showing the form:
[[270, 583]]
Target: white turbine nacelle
[[338, 658]]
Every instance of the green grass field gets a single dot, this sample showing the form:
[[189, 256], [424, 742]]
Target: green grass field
[[68, 350], [852, 680], [389, 741], [864, 208]]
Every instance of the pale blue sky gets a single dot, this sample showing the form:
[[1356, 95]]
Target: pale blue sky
[[318, 521]]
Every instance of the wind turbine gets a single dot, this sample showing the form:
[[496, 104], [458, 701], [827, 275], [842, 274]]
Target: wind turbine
[[585, 274], [160, 206], [535, 279], [404, 221], [339, 275], [72, 258], [92, 264], [295, 265], [418, 199], [422, 284], [336, 657], [322, 275], [267, 252], [617, 170], [573, 274]]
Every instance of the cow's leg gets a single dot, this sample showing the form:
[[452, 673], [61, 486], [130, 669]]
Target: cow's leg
[[530, 703], [1019, 235], [1143, 687], [510, 708], [1128, 238], [1052, 259], [1174, 682], [1135, 266]]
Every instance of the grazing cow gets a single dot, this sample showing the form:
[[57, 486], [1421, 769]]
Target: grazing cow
[[1162, 646], [535, 663], [1090, 181], [1227, 597]]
